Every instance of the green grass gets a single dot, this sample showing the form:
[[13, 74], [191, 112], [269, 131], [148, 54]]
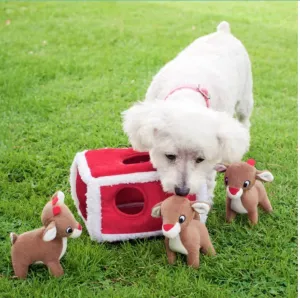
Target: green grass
[[65, 95]]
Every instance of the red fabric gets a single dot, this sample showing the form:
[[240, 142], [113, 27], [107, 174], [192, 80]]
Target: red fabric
[[251, 162], [108, 162], [167, 227], [233, 190], [81, 190], [203, 91], [125, 208], [114, 221], [54, 201], [56, 210]]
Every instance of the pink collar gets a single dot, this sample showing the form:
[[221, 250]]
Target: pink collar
[[202, 91]]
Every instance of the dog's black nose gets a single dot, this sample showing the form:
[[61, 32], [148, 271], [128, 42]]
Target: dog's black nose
[[182, 191]]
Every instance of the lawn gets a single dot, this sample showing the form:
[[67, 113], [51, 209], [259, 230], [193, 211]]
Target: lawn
[[67, 71]]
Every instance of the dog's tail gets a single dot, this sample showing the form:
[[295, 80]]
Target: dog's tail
[[13, 238], [224, 27]]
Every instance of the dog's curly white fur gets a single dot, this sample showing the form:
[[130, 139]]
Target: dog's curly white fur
[[182, 128]]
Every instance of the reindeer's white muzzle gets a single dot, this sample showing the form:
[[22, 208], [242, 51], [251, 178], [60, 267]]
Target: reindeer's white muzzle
[[171, 231], [77, 232], [234, 193]]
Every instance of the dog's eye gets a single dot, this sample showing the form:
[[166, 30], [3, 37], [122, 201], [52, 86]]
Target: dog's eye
[[199, 159], [69, 230], [226, 180], [246, 183], [171, 157], [181, 219]]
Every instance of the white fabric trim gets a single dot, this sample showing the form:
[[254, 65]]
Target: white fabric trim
[[140, 177], [122, 237], [83, 168], [94, 216]]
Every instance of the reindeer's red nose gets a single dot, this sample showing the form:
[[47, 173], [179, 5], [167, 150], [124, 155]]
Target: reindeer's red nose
[[79, 227], [233, 190], [168, 227]]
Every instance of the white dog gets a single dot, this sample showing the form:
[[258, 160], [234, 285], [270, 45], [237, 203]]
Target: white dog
[[186, 121]]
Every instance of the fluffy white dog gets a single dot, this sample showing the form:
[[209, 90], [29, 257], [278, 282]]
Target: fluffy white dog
[[186, 121]]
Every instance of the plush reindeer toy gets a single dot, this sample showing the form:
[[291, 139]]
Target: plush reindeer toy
[[183, 233], [48, 244], [244, 189]]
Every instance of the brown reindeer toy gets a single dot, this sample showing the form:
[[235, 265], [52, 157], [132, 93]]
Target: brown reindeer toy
[[244, 189], [183, 233], [48, 244]]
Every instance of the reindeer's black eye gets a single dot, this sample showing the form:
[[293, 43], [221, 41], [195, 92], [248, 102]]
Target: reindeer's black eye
[[181, 219], [171, 157], [246, 183], [226, 180], [199, 159], [69, 230]]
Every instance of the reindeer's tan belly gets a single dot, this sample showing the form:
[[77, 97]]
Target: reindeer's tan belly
[[63, 250]]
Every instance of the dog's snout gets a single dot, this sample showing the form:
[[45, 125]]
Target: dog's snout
[[182, 191]]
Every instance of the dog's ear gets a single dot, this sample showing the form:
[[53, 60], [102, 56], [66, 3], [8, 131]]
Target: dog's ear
[[141, 123], [234, 138]]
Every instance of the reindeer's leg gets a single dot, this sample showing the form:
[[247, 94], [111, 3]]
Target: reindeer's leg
[[230, 214], [170, 254], [205, 242], [266, 204], [253, 216], [207, 248], [193, 258], [20, 270], [55, 268]]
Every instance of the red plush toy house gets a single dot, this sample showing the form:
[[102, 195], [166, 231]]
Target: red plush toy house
[[114, 191]]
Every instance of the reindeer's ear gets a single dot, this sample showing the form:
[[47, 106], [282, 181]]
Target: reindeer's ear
[[156, 210], [58, 198], [221, 167], [56, 210], [50, 232], [201, 208], [264, 176]]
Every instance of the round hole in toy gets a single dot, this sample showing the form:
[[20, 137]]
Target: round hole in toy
[[130, 200], [137, 159]]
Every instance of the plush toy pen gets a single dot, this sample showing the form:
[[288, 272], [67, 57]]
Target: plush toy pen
[[244, 189], [48, 244]]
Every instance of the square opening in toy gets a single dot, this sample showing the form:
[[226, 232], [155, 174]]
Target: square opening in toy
[[137, 159]]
